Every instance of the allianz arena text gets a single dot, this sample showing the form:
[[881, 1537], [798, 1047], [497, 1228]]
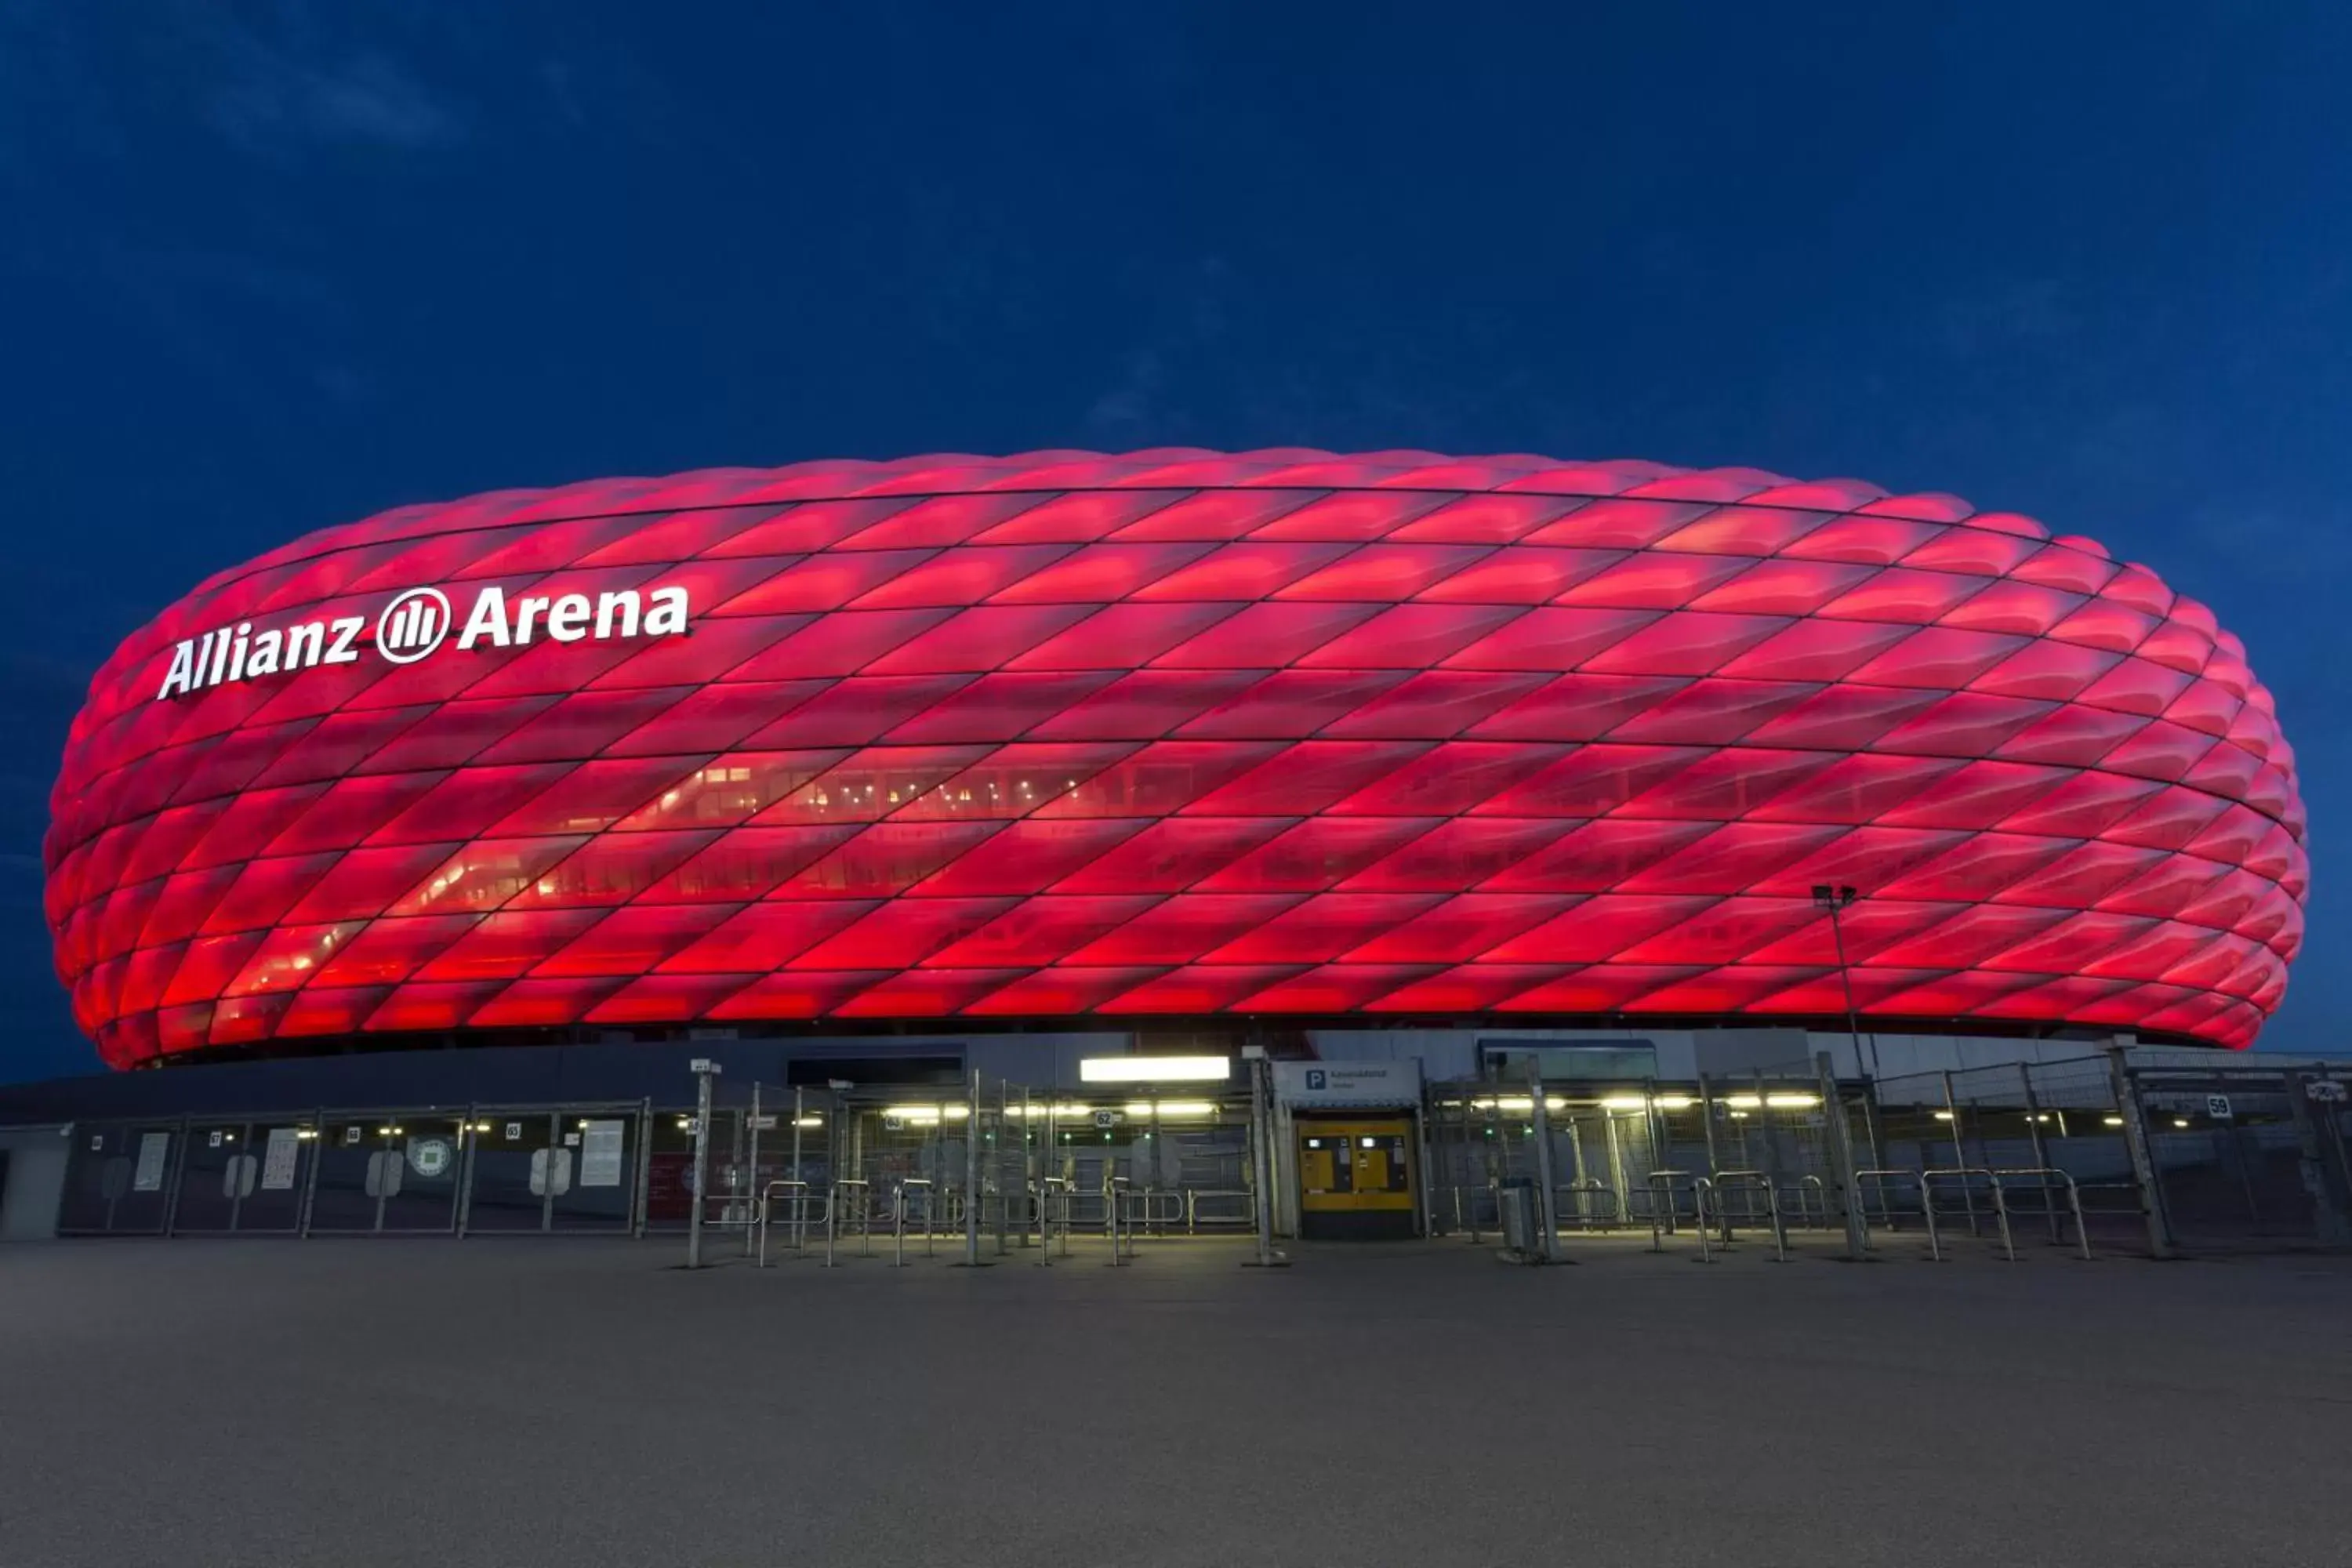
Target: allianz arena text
[[1173, 735]]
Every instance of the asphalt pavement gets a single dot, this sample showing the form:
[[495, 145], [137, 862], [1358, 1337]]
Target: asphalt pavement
[[580, 1402]]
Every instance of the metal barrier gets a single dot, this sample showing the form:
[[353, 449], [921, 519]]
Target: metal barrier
[[1114, 1195], [1701, 1189], [1194, 1219], [1815, 1217], [1581, 1196], [1877, 1180], [1754, 1182], [2041, 1175], [898, 1218], [1962, 1173], [1149, 1211], [1467, 1220], [798, 1200], [833, 1217], [740, 1211], [1658, 1195], [1043, 1194]]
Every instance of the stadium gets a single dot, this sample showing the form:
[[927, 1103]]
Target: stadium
[[869, 777], [1172, 736]]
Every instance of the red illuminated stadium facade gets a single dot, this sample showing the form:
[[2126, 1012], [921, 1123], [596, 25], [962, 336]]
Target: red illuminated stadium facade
[[977, 742]]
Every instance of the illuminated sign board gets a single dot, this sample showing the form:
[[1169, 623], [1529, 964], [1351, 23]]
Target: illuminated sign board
[[415, 626]]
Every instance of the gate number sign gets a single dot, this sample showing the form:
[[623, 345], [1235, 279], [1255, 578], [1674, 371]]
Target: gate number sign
[[2216, 1106]]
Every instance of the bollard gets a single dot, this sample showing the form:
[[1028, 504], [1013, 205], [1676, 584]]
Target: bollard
[[1546, 1212], [972, 1130], [704, 1069]]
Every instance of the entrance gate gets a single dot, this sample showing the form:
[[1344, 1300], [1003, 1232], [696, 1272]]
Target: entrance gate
[[2243, 1154]]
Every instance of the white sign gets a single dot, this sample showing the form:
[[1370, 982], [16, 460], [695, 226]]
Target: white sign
[[152, 1149], [351, 1135], [2326, 1090], [413, 625], [1106, 1118], [894, 1124], [278, 1158], [600, 1154], [1347, 1083], [2216, 1106], [214, 1141], [761, 1124], [514, 1132]]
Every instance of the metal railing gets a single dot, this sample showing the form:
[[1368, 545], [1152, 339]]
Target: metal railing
[[1755, 1182], [1658, 1195], [849, 1184], [1195, 1196], [1817, 1216], [2042, 1177], [1702, 1189], [1467, 1221], [899, 1217], [1591, 1203], [1151, 1210], [1114, 1193], [1964, 1176], [797, 1196], [1044, 1194], [1877, 1181], [738, 1211]]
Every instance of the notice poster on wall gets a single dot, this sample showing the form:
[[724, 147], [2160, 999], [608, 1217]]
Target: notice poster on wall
[[278, 1158], [153, 1149], [600, 1153]]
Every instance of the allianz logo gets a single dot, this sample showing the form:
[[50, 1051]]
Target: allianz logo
[[415, 626]]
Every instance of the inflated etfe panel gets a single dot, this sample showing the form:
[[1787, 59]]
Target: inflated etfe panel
[[1173, 734]]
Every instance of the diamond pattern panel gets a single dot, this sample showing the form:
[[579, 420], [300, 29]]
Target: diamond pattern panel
[[1180, 733]]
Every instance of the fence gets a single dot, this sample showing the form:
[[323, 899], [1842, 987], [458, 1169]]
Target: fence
[[2187, 1152], [2247, 1155], [1749, 1154], [2156, 1153], [993, 1166], [568, 1169]]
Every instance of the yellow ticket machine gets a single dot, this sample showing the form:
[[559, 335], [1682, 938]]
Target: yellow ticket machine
[[1356, 1179]]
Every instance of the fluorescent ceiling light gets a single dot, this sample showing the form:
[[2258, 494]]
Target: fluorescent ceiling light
[[1155, 1070]]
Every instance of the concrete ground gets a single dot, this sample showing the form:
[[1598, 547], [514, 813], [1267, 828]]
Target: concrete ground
[[586, 1403]]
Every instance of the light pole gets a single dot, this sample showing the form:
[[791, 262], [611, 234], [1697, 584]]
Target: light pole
[[1835, 901]]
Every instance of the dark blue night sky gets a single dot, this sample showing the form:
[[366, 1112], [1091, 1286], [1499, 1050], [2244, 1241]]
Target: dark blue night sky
[[265, 267]]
